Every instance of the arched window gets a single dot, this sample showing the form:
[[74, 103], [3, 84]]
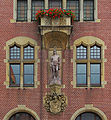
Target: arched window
[[28, 52], [88, 62], [81, 52], [14, 52], [95, 52], [14, 66], [83, 60], [22, 116], [88, 116], [22, 62]]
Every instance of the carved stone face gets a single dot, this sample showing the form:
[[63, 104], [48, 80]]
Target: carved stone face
[[54, 52]]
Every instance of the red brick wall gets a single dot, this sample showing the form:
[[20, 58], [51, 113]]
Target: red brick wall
[[77, 98]]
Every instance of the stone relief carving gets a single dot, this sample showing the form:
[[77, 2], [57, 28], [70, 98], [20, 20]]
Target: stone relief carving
[[55, 103]]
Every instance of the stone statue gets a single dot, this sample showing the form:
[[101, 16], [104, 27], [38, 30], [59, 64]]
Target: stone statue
[[55, 68]]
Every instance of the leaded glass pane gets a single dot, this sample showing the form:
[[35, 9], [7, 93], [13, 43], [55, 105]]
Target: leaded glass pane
[[28, 74], [55, 3], [21, 10], [88, 10], [14, 52], [15, 74], [95, 52], [36, 5], [81, 52], [74, 6], [22, 116], [95, 74], [28, 52], [81, 74], [88, 116]]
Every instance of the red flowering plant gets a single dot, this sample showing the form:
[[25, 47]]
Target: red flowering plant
[[55, 13]]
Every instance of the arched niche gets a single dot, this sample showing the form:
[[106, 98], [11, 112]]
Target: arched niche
[[55, 38]]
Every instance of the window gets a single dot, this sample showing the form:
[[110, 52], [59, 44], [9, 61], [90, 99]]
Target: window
[[88, 10], [81, 52], [81, 74], [21, 10], [74, 6], [83, 62], [55, 3], [95, 52], [28, 74], [28, 52], [15, 52], [22, 116], [36, 5], [88, 63], [95, 74], [88, 116], [15, 74], [16, 66], [85, 10], [21, 63]]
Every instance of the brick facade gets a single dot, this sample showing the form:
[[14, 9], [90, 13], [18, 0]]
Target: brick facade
[[10, 98]]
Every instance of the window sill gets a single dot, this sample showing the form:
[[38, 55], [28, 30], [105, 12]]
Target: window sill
[[89, 86], [94, 21], [14, 21], [21, 88]]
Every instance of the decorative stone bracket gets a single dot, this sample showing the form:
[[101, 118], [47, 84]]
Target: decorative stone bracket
[[62, 24]]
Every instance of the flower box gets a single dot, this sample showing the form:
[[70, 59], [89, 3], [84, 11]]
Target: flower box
[[55, 17], [63, 21]]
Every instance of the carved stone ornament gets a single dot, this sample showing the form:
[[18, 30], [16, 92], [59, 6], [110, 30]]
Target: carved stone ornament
[[55, 103]]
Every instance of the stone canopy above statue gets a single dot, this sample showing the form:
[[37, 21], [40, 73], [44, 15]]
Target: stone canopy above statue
[[58, 39]]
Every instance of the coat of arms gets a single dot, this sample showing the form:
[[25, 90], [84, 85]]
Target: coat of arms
[[55, 103]]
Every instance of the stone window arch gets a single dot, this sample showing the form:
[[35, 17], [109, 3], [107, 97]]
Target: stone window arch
[[21, 55], [21, 109], [88, 62], [89, 108]]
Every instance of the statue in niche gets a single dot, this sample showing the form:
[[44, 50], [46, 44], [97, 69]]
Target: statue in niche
[[55, 68]]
